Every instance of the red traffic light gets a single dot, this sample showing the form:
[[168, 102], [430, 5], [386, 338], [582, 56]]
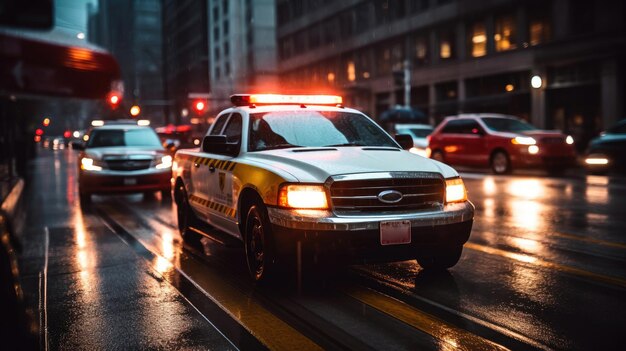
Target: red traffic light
[[67, 134], [39, 131], [114, 99], [199, 106]]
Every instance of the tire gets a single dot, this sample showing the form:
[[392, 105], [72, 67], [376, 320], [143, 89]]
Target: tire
[[185, 216], [500, 163], [441, 261], [437, 155], [258, 244]]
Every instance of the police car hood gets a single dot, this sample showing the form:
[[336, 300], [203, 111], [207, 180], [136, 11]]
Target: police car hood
[[124, 152], [317, 164]]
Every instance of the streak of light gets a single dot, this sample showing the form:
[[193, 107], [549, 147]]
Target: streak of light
[[526, 188], [489, 186]]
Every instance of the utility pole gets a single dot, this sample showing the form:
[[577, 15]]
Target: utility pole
[[407, 84]]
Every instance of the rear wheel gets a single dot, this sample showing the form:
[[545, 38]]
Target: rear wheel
[[442, 260], [500, 163], [258, 243]]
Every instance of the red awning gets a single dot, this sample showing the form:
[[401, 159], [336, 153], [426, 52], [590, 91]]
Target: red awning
[[45, 65]]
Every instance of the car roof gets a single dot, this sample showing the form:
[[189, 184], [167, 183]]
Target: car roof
[[481, 115], [415, 125], [274, 108], [117, 126]]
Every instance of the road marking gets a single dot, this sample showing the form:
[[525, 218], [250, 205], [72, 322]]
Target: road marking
[[546, 264], [242, 307], [589, 240], [43, 291], [451, 337]]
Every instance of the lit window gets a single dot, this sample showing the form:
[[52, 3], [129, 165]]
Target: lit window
[[445, 50], [504, 36], [330, 77], [479, 40], [539, 32], [351, 71], [421, 51]]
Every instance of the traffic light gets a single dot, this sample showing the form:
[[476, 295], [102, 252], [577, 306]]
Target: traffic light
[[135, 110], [39, 131], [67, 134], [199, 106], [46, 122], [114, 99]]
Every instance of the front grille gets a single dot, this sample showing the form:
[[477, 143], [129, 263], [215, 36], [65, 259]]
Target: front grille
[[128, 165], [361, 196], [553, 140]]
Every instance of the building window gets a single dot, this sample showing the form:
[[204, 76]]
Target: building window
[[227, 69], [478, 39], [418, 5], [446, 45], [225, 27], [539, 31], [225, 7], [217, 73], [226, 49], [421, 50], [330, 77], [217, 53], [216, 13], [216, 33], [351, 71], [504, 35]]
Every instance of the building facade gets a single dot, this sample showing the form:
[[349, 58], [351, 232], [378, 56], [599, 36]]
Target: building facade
[[557, 63], [131, 32], [186, 56], [242, 46]]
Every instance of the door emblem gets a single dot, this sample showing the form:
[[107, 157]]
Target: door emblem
[[222, 181], [390, 196]]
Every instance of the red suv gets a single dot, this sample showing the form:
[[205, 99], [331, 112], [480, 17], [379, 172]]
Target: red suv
[[501, 142]]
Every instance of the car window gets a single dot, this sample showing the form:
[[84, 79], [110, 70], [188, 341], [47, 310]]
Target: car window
[[461, 126], [233, 129], [140, 137], [415, 132], [283, 129], [507, 124], [219, 124], [618, 129]]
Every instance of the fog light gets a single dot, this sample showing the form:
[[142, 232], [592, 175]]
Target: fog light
[[533, 149]]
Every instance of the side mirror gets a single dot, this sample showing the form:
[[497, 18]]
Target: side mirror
[[77, 145], [405, 141], [218, 144]]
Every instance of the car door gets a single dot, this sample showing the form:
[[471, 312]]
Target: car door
[[472, 149], [200, 176], [449, 140], [222, 199]]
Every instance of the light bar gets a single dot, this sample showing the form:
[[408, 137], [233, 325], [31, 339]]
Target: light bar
[[596, 161], [97, 123], [143, 122], [278, 99]]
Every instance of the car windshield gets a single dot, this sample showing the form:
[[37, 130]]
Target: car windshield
[[507, 124], [416, 132], [140, 137], [284, 129]]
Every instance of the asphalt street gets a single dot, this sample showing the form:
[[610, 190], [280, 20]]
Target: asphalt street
[[544, 269]]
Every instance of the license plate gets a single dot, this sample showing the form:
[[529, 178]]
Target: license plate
[[395, 232], [130, 181]]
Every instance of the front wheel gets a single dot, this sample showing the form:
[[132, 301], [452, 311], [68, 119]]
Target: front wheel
[[184, 213], [500, 163], [442, 260], [259, 253]]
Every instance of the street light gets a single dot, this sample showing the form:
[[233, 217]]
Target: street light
[[135, 110], [536, 82]]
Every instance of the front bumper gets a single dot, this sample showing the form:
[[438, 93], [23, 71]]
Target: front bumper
[[107, 181], [357, 238]]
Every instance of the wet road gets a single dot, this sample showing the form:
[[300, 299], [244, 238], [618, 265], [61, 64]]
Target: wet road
[[544, 269]]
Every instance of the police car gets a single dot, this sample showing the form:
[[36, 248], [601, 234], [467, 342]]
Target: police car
[[303, 176]]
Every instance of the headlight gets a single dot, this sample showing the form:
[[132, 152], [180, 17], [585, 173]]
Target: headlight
[[523, 141], [597, 160], [455, 190], [569, 140], [533, 149], [303, 196], [166, 162], [87, 164]]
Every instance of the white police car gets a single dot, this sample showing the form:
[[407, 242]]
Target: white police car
[[301, 174]]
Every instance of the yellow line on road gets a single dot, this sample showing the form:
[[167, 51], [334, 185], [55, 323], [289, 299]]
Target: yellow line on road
[[590, 240], [241, 305], [545, 264], [449, 336]]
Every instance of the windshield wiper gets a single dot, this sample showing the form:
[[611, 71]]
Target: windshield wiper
[[278, 146], [353, 143]]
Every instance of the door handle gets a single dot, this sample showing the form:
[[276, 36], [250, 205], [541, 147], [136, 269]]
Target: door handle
[[211, 169]]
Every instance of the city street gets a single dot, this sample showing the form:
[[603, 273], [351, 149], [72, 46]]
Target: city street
[[545, 268]]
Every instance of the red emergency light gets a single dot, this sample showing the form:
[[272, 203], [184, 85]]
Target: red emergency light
[[279, 99], [38, 131]]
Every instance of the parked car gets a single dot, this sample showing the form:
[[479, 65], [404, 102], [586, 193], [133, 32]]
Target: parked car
[[419, 133], [608, 151], [501, 142]]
